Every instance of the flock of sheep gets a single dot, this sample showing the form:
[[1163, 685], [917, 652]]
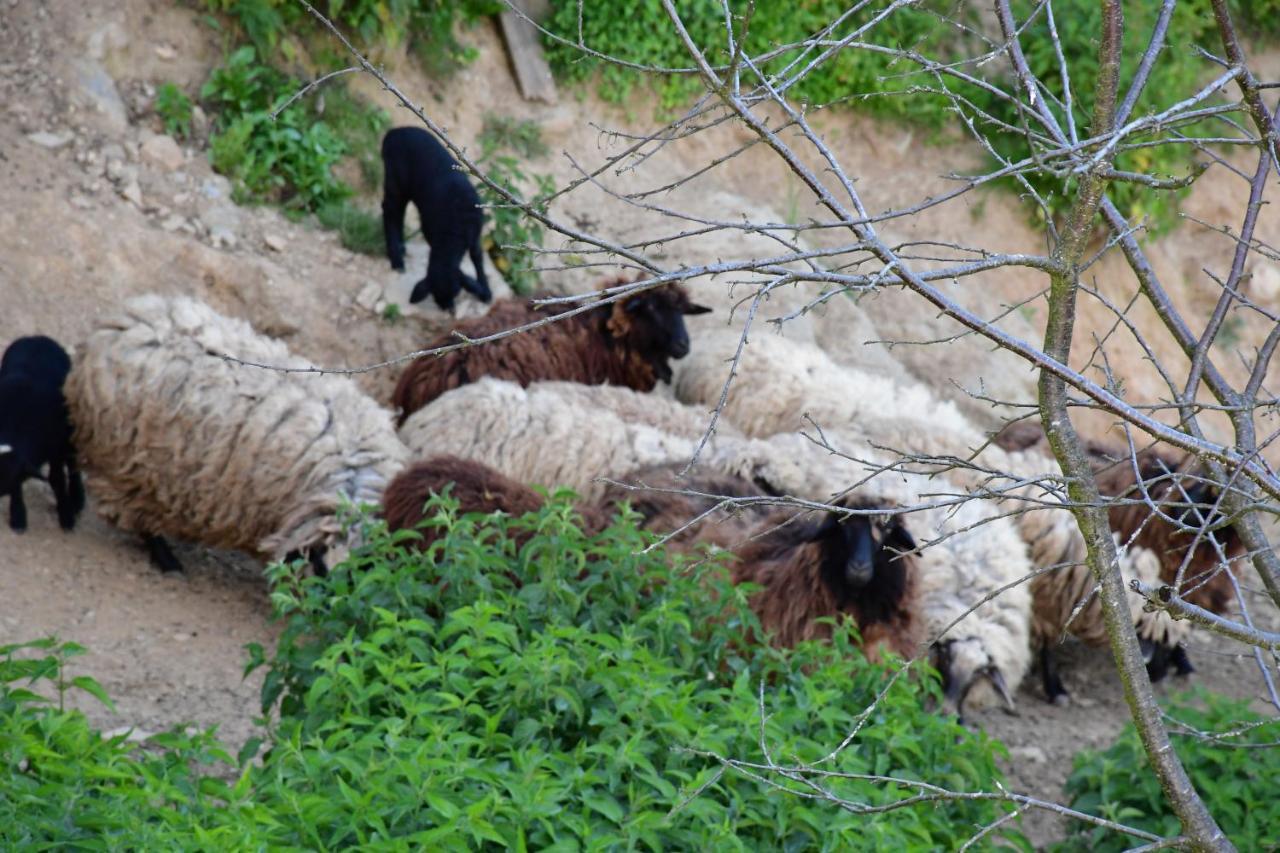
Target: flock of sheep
[[178, 441]]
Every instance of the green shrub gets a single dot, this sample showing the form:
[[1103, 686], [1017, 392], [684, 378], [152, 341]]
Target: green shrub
[[489, 695], [288, 159], [174, 108], [428, 24], [641, 33], [1235, 777], [63, 785], [545, 694]]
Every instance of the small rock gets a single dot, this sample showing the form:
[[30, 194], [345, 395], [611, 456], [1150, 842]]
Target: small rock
[[1028, 753], [199, 122], [163, 152], [1265, 286], [222, 238], [188, 227], [215, 187], [166, 52], [100, 90], [45, 139], [274, 242], [132, 192], [369, 296], [173, 222], [81, 202], [112, 151]]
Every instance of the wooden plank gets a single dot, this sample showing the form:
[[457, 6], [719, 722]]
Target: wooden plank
[[524, 46]]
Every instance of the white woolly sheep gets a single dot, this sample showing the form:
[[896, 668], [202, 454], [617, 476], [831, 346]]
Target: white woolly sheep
[[177, 441], [556, 433]]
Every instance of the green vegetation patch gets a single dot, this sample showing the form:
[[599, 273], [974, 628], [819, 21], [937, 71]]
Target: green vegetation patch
[[1231, 753], [551, 694]]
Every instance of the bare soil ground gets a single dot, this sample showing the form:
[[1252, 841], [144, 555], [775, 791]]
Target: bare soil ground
[[93, 208]]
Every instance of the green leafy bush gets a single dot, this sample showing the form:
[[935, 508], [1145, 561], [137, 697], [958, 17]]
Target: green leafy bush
[[428, 24], [511, 231], [486, 694], [64, 785], [174, 108], [642, 33], [544, 695], [288, 159], [1235, 776]]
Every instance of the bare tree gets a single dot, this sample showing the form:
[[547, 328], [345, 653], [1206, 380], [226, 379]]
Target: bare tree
[[843, 249]]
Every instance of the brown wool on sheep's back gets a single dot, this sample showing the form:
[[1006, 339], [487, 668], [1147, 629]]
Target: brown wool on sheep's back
[[1204, 583], [603, 345], [476, 487]]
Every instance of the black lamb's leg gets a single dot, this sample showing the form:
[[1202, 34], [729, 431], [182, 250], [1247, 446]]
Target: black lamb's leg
[[17, 510], [393, 207], [62, 498], [1054, 690], [480, 286], [77, 484], [1181, 663], [162, 556]]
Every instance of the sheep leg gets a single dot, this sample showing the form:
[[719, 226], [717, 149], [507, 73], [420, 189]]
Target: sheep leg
[[162, 556], [1054, 690], [1181, 663], [17, 510], [393, 207], [62, 498], [77, 485], [480, 286]]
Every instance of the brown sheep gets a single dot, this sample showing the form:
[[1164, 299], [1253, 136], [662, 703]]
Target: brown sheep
[[1187, 499], [476, 487], [859, 566], [628, 342]]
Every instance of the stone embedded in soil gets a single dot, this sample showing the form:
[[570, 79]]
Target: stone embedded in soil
[[163, 152], [52, 141], [132, 192], [100, 90], [274, 242]]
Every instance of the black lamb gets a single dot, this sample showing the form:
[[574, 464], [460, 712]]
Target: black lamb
[[35, 428], [418, 169]]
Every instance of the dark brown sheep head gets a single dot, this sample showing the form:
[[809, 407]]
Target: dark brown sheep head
[[651, 324], [865, 557]]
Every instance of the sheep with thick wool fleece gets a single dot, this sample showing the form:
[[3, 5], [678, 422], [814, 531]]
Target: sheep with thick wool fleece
[[557, 433], [178, 441], [780, 381], [986, 654]]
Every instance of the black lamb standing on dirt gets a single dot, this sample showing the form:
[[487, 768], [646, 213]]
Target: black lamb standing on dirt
[[35, 428], [418, 169]]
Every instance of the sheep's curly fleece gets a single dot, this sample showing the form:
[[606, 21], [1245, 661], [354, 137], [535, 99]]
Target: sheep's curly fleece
[[557, 433], [975, 552], [177, 441]]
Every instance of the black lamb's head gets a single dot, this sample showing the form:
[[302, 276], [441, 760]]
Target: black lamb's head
[[861, 550], [652, 323]]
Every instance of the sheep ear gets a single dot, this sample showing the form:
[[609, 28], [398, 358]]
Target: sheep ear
[[694, 308], [898, 538]]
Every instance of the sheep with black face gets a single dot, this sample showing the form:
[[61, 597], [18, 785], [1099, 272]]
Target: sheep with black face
[[628, 342], [418, 169], [35, 428]]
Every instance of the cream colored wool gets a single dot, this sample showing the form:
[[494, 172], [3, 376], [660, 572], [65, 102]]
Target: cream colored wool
[[976, 552], [558, 433], [1066, 602], [178, 442]]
